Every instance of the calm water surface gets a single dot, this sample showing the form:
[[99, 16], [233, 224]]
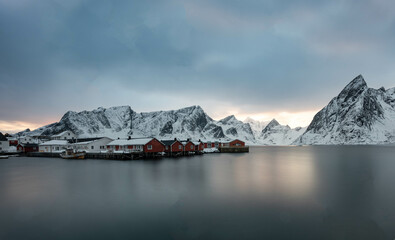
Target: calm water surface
[[343, 192]]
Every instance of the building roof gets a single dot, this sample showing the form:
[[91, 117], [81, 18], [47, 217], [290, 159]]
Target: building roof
[[128, 142], [232, 141], [28, 144], [168, 142], [83, 143], [80, 140], [55, 142], [186, 142], [2, 138]]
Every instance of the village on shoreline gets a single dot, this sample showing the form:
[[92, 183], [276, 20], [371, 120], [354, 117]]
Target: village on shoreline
[[105, 147]]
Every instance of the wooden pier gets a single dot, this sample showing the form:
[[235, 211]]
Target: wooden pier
[[109, 156], [239, 149], [133, 155]]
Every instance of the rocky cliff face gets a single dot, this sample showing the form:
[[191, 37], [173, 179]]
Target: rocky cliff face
[[358, 115]]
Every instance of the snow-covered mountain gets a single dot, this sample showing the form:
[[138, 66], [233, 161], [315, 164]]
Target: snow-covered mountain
[[234, 128], [191, 122], [358, 115], [276, 134], [256, 126]]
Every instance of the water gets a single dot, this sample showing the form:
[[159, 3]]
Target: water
[[343, 192]]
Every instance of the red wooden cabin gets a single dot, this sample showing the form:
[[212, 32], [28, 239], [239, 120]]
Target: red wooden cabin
[[188, 146], [234, 143], [27, 147], [199, 146], [154, 146], [173, 146]]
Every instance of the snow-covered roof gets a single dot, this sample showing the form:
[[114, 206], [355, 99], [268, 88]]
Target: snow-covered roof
[[196, 143], [229, 141], [55, 142], [83, 143], [185, 142], [128, 142]]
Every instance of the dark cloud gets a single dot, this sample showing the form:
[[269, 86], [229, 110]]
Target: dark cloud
[[256, 55]]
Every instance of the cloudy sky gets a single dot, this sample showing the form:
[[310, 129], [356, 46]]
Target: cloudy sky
[[264, 59]]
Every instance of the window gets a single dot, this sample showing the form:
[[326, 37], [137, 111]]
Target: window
[[69, 134], [179, 147], [57, 148], [191, 146], [149, 147], [64, 137], [1, 143], [92, 147], [167, 147]]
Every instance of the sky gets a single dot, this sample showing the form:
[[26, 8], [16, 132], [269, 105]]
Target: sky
[[263, 59]]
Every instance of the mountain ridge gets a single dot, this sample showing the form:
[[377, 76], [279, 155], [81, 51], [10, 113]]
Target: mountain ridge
[[357, 115]]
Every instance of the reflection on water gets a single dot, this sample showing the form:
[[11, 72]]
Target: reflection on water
[[286, 174], [270, 193]]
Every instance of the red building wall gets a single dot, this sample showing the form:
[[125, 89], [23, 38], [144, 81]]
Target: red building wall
[[176, 147], [20, 148], [13, 142], [157, 146], [236, 143], [31, 149], [199, 147], [189, 147]]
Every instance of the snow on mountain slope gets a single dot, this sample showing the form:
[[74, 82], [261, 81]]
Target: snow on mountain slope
[[190, 122], [358, 115], [111, 122], [276, 134], [256, 126], [234, 128]]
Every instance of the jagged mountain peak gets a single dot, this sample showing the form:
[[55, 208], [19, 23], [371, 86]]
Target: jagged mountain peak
[[354, 88], [358, 115], [273, 123], [228, 119]]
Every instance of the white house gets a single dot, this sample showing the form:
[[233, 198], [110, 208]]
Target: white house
[[54, 146], [129, 145], [92, 144], [66, 135], [27, 139], [4, 143]]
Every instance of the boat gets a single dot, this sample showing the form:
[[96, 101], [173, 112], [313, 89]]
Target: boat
[[4, 157], [71, 154]]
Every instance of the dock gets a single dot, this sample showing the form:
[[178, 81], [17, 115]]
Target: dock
[[240, 149], [115, 156]]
